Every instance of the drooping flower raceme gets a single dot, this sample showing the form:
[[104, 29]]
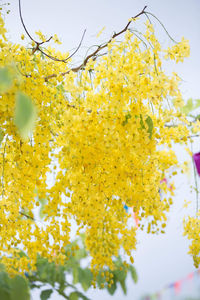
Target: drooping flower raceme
[[103, 136]]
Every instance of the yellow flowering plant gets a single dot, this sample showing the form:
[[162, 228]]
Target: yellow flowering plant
[[83, 142]]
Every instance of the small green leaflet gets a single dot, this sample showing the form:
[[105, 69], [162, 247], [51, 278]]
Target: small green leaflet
[[25, 115], [13, 288], [133, 274], [149, 123], [19, 288], [73, 296], [113, 287], [141, 122], [150, 126], [46, 294], [1, 136], [85, 278], [127, 116], [5, 80], [190, 106]]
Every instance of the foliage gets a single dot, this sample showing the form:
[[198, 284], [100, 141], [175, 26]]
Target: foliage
[[13, 288], [50, 277], [103, 138], [191, 107], [24, 114]]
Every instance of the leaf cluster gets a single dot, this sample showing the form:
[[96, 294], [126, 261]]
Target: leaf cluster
[[12, 288], [191, 107], [56, 276]]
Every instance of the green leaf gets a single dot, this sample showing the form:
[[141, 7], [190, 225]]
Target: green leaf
[[85, 278], [123, 285], [45, 294], [149, 123], [22, 253], [186, 109], [81, 295], [197, 104], [150, 126], [51, 273], [25, 114], [4, 286], [60, 277], [191, 105], [1, 135], [142, 122], [75, 275], [2, 267], [73, 296], [133, 273], [120, 274], [127, 116], [19, 288], [42, 268], [5, 80], [5, 295], [100, 280], [112, 289]]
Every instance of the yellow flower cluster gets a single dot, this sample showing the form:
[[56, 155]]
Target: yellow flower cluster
[[192, 231], [103, 139], [179, 51]]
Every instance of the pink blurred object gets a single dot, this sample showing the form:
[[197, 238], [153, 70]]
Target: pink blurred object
[[196, 158], [136, 219], [163, 180], [177, 286], [190, 276]]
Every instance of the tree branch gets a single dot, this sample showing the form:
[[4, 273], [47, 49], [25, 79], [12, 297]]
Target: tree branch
[[94, 55], [99, 48], [25, 215]]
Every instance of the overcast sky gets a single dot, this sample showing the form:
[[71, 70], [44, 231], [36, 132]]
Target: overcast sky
[[159, 260]]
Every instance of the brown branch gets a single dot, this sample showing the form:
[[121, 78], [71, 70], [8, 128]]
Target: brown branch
[[38, 44], [78, 46], [55, 58], [99, 48], [25, 215], [193, 136], [94, 55]]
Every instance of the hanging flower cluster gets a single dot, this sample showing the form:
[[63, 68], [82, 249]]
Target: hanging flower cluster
[[103, 138], [192, 231]]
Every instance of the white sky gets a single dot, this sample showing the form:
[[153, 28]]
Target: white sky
[[159, 260]]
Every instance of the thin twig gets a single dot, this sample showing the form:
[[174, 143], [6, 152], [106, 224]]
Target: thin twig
[[78, 45], [193, 136], [25, 215], [148, 13], [22, 21]]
